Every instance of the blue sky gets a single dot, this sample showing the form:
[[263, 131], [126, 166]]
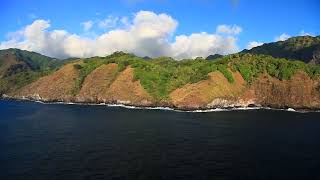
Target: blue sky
[[261, 21]]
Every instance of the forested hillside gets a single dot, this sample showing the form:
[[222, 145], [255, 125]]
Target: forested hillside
[[304, 48]]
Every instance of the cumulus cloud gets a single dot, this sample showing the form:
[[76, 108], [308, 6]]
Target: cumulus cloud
[[87, 25], [303, 33], [253, 44], [227, 29], [147, 34], [125, 21], [203, 45], [282, 37]]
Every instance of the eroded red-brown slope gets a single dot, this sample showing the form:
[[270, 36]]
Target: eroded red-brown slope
[[298, 92], [201, 94], [106, 84], [96, 84], [126, 90], [57, 86]]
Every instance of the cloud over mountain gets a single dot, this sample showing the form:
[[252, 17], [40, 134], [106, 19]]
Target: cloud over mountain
[[253, 44], [148, 34], [282, 37]]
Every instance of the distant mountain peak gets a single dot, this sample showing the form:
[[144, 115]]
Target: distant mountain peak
[[303, 48], [214, 56]]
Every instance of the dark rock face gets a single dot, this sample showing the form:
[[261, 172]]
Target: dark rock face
[[316, 56], [299, 92]]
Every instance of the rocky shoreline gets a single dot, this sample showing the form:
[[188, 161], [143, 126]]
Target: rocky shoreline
[[158, 106]]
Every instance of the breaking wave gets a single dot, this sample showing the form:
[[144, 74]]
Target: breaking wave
[[177, 110]]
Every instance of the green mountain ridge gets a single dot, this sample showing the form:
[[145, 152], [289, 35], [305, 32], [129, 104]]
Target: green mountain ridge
[[34, 60], [20, 67], [303, 48]]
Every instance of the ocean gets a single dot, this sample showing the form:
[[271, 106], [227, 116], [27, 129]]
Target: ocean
[[57, 141]]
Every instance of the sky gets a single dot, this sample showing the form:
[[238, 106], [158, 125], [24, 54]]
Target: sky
[[176, 28]]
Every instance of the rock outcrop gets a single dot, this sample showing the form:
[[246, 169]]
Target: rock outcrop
[[299, 92]]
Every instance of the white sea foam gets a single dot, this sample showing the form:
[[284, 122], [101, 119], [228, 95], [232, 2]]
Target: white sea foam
[[170, 109], [291, 109], [200, 110]]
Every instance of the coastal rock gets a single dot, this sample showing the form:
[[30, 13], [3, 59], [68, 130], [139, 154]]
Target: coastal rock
[[299, 92], [221, 103]]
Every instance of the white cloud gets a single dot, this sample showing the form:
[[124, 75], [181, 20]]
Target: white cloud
[[227, 29], [282, 37], [303, 33], [253, 44], [125, 21], [203, 45], [148, 34], [87, 25], [109, 22]]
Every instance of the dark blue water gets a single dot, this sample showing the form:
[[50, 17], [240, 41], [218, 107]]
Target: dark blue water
[[41, 141]]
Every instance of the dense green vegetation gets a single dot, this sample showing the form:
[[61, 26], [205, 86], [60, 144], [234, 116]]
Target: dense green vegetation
[[250, 66], [35, 61], [299, 48], [85, 69], [19, 80], [160, 76], [28, 67]]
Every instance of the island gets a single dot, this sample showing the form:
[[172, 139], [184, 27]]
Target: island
[[280, 75]]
